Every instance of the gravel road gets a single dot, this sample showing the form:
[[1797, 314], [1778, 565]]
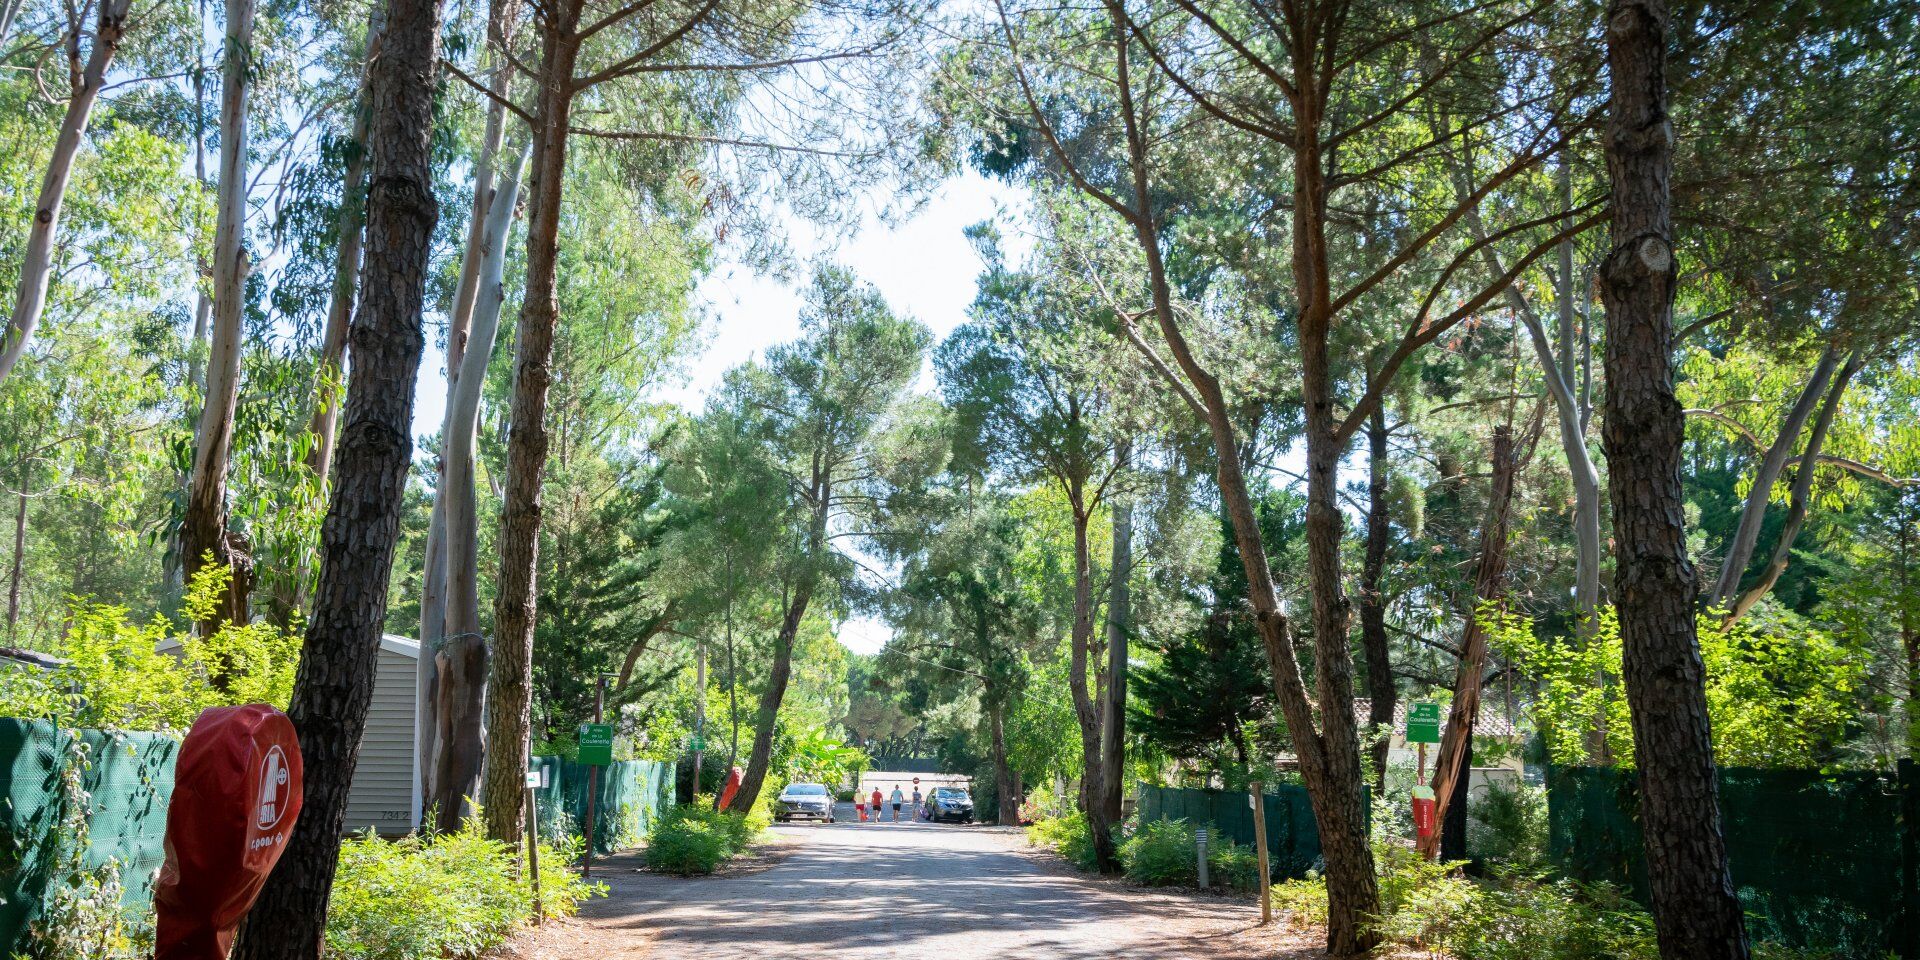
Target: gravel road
[[853, 891]]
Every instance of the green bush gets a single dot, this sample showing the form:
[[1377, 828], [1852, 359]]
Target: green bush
[[1508, 825], [694, 838], [1161, 853], [456, 895], [1066, 835]]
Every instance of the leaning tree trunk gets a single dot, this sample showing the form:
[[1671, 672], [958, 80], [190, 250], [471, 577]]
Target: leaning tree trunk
[[1695, 911], [508, 696], [1753, 512], [760, 756], [1085, 709], [461, 657], [204, 536], [335, 682], [1800, 494], [1006, 796], [36, 268], [1489, 586], [1373, 600], [1113, 719]]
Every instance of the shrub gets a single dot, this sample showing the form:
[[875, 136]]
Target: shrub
[[455, 895], [1066, 835], [1161, 853], [1508, 825], [694, 838]]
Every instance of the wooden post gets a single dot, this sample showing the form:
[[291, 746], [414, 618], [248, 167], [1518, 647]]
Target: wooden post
[[533, 854], [1260, 849], [593, 775]]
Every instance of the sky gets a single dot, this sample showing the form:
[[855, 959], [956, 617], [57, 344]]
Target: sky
[[923, 266]]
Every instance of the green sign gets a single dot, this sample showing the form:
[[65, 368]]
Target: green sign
[[596, 744], [697, 744], [1423, 722]]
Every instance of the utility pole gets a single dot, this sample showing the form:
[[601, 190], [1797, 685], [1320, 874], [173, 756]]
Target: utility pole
[[1259, 801]]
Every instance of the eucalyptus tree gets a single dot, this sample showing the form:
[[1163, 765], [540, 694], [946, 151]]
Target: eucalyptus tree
[[825, 411], [1022, 379], [334, 684]]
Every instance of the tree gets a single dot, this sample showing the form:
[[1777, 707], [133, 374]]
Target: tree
[[820, 408], [334, 684], [1696, 913]]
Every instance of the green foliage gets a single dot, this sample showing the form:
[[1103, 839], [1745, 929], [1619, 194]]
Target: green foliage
[[1164, 853], [115, 678], [1776, 699], [810, 754], [694, 838], [1066, 835], [454, 895], [1509, 826]]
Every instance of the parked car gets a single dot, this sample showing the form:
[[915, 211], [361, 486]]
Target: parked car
[[804, 800], [947, 803]]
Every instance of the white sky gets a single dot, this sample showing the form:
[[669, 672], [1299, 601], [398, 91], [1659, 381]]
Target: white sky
[[924, 267]]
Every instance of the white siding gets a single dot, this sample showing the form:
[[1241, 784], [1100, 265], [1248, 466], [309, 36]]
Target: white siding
[[382, 794]]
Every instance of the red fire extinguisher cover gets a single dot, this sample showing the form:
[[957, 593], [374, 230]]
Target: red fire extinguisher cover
[[732, 787], [236, 795], [1423, 819]]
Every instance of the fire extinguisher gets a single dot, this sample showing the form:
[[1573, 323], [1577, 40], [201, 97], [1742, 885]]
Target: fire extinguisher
[[1423, 821]]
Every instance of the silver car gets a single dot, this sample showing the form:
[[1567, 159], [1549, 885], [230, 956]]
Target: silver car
[[804, 800]]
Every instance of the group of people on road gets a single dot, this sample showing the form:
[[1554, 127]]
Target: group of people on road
[[861, 801]]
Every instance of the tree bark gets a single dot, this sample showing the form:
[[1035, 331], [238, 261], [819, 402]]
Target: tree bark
[[1696, 914], [760, 757], [1086, 709], [1456, 747], [461, 655], [36, 267], [203, 530], [19, 550], [1005, 792], [1113, 720], [1753, 513], [335, 681], [1801, 493], [1373, 601], [508, 699]]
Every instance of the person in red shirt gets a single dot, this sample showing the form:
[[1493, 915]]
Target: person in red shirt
[[876, 800]]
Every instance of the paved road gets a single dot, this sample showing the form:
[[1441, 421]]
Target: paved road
[[912, 891]]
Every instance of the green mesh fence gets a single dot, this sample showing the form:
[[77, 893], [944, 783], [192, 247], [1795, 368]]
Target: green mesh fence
[[1823, 861], [1293, 839], [130, 778], [629, 795]]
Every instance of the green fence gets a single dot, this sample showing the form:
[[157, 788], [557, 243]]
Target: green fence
[[1820, 860], [130, 779], [1293, 839], [629, 795]]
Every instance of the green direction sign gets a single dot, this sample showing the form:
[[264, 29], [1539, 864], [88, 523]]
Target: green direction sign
[[1423, 722], [596, 744], [696, 744]]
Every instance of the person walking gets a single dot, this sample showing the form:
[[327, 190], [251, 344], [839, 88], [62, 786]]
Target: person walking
[[915, 814], [860, 804], [898, 798], [876, 803]]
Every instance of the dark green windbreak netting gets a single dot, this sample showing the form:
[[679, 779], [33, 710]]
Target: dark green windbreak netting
[[1820, 860], [1293, 839], [630, 794], [130, 780]]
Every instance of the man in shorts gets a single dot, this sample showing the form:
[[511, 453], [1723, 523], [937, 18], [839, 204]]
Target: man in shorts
[[897, 798]]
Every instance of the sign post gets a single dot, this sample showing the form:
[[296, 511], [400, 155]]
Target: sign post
[[1259, 801], [535, 778], [1200, 849], [1423, 727], [596, 751]]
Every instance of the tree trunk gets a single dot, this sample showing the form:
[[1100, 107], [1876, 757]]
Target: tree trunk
[[1085, 708], [761, 757], [19, 550], [1006, 795], [328, 386], [1373, 601], [36, 267], [1696, 915], [1753, 513], [1801, 493], [461, 658], [1489, 587], [1453, 825], [203, 530], [337, 663], [1113, 720], [508, 699]]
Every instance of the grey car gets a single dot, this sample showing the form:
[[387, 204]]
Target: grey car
[[947, 803], [811, 800]]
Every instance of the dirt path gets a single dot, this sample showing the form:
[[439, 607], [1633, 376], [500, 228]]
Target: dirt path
[[907, 891]]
